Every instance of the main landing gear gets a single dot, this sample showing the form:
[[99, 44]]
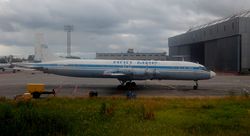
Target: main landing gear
[[196, 85], [126, 85], [129, 86]]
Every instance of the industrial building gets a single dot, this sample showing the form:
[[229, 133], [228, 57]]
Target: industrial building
[[221, 45], [131, 55]]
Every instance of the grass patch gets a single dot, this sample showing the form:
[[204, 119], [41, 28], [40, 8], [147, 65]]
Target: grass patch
[[118, 116]]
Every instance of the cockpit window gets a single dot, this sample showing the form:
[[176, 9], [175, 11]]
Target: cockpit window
[[204, 68]]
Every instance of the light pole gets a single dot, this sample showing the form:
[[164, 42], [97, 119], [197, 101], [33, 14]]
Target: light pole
[[68, 29]]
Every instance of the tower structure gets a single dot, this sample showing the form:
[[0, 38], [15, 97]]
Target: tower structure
[[68, 29]]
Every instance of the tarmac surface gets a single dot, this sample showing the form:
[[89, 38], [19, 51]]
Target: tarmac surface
[[13, 84]]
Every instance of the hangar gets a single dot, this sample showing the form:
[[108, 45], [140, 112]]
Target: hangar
[[221, 45]]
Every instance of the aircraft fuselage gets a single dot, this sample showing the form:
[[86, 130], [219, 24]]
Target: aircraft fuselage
[[127, 70]]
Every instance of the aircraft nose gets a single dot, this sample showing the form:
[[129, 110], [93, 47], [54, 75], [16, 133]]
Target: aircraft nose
[[212, 74]]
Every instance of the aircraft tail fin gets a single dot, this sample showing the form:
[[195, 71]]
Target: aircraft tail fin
[[42, 53]]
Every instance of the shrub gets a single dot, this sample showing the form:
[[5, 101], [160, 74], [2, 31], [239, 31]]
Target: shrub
[[107, 110], [207, 106], [27, 119], [147, 113]]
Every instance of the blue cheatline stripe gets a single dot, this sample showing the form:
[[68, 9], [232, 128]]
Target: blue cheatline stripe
[[95, 66]]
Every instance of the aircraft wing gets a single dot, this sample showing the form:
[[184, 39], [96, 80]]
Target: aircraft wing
[[113, 73], [22, 68], [25, 66]]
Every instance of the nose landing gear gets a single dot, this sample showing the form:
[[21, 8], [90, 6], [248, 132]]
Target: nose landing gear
[[195, 87]]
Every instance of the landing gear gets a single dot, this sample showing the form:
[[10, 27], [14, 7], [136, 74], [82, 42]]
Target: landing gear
[[195, 87], [133, 84], [121, 86], [126, 85], [130, 85]]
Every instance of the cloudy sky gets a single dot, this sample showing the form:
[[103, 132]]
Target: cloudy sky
[[104, 25]]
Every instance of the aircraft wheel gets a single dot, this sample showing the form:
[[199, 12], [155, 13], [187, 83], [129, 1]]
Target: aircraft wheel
[[195, 87], [120, 87], [128, 85], [133, 85]]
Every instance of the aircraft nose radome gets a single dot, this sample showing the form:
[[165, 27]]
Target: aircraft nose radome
[[212, 74]]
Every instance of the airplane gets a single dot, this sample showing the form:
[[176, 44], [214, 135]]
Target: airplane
[[126, 71], [4, 66], [8, 66]]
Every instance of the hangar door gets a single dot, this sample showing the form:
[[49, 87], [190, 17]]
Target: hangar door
[[197, 53], [223, 54]]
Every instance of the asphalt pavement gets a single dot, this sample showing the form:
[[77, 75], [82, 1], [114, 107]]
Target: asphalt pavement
[[12, 84]]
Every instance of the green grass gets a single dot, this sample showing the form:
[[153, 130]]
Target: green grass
[[228, 116]]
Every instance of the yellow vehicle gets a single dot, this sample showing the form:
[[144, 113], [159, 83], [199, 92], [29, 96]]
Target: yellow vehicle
[[37, 89]]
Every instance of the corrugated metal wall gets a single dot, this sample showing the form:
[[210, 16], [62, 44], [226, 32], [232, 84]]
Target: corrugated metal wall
[[223, 54], [224, 46]]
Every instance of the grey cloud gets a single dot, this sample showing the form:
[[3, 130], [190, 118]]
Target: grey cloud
[[107, 25]]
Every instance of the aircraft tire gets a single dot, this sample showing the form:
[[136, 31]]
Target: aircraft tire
[[133, 85], [195, 87], [128, 85], [120, 87]]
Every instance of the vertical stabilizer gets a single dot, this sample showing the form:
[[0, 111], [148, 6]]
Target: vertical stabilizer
[[42, 53]]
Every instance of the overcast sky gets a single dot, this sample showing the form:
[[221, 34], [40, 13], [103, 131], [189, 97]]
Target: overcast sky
[[104, 25]]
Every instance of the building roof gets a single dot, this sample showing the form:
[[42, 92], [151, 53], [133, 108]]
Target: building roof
[[241, 14]]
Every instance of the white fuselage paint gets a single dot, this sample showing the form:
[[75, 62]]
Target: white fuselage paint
[[127, 70]]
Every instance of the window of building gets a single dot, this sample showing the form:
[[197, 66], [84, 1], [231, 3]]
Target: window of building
[[224, 28], [233, 26]]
